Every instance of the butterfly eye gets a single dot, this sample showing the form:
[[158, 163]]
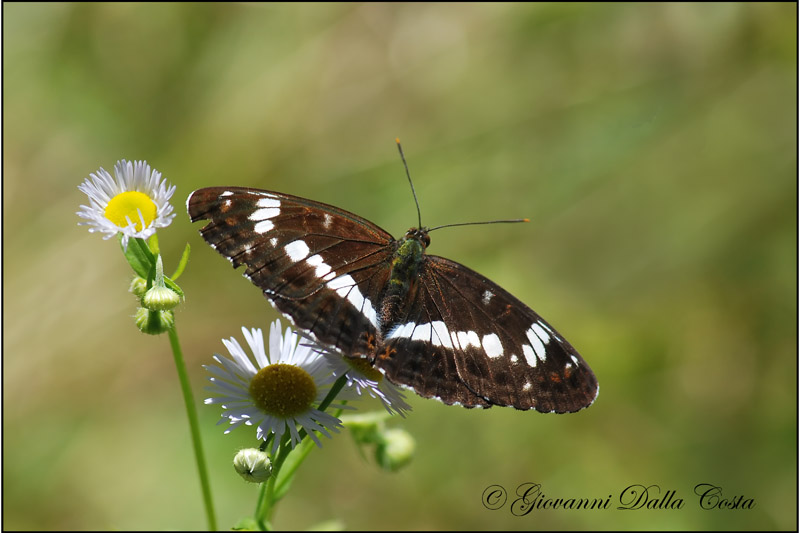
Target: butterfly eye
[[420, 235]]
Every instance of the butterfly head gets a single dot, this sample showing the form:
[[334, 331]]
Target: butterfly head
[[420, 235]]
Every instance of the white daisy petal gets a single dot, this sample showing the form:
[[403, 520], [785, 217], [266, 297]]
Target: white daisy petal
[[275, 339], [239, 356], [234, 391], [256, 341], [220, 373], [235, 373]]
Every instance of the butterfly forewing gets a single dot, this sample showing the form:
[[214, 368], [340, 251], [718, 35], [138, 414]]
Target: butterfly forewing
[[321, 266]]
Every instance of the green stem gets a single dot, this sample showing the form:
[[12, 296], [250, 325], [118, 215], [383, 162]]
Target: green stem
[[337, 386], [303, 453], [261, 501], [194, 427], [267, 501], [266, 497]]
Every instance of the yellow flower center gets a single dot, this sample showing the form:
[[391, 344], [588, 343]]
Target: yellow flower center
[[363, 366], [128, 204], [283, 390]]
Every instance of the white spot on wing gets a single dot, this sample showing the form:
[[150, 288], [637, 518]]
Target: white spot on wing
[[274, 241], [264, 214], [328, 220], [263, 227], [226, 193], [467, 339], [527, 386], [553, 333], [441, 335], [268, 202], [297, 250], [574, 359], [513, 358], [530, 357], [322, 268], [401, 330], [541, 333], [370, 313], [342, 282], [536, 344], [345, 286], [422, 333], [436, 333], [492, 345], [487, 297]]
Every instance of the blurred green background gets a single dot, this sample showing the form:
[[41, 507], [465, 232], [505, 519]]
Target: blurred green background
[[653, 147]]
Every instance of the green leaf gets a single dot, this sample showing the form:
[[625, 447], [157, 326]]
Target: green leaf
[[153, 242], [140, 258], [182, 262]]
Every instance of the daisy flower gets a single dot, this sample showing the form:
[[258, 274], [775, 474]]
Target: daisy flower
[[363, 377], [134, 205], [278, 392]]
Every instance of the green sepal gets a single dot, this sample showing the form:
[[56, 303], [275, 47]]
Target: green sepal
[[182, 262]]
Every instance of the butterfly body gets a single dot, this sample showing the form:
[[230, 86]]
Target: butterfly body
[[406, 262], [426, 322]]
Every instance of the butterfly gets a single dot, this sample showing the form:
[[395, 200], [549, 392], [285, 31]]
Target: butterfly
[[427, 323]]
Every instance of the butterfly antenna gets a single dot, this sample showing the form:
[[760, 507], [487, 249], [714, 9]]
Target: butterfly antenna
[[486, 222], [408, 175]]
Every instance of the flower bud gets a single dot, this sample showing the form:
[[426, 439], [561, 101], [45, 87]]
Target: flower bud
[[396, 450], [253, 465], [153, 322], [160, 298], [138, 286], [366, 428]]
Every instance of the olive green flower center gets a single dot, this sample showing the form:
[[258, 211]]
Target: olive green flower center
[[283, 390]]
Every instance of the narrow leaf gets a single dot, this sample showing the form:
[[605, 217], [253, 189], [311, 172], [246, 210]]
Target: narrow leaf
[[153, 242], [174, 286], [182, 262]]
